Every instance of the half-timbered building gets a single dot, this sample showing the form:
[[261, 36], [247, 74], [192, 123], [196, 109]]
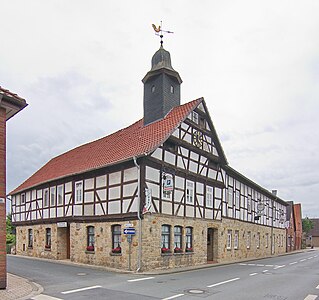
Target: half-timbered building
[[165, 178]]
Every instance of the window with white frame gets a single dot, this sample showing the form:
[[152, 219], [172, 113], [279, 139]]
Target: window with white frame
[[237, 197], [22, 198], [249, 204], [178, 239], [248, 239], [229, 238], [60, 194], [79, 192], [230, 197], [258, 240], [267, 240], [46, 198], [195, 117], [236, 240], [209, 196], [30, 238], [189, 239], [189, 192], [52, 196], [166, 237]]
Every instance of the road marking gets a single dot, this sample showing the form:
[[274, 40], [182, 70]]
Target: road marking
[[223, 282], [269, 265], [311, 297], [264, 271], [310, 257], [140, 279], [173, 297], [253, 274], [293, 263], [82, 289], [317, 287], [44, 297], [302, 260], [243, 264], [259, 265], [251, 265], [278, 267]]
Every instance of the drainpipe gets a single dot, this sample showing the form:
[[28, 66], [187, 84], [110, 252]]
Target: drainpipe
[[139, 216]]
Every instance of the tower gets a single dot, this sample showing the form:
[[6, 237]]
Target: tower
[[161, 87]]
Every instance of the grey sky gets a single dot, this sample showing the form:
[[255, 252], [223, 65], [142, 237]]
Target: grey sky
[[79, 64]]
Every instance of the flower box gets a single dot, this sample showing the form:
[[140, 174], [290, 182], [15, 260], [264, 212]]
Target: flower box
[[165, 250], [178, 250], [90, 248], [47, 246], [189, 250], [117, 250]]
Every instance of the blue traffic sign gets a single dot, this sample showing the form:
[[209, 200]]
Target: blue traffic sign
[[129, 231]]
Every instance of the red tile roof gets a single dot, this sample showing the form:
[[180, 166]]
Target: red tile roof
[[135, 140]]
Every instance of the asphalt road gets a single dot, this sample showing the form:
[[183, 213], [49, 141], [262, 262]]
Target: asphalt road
[[294, 276]]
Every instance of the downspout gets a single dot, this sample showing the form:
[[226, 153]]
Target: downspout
[[139, 256]]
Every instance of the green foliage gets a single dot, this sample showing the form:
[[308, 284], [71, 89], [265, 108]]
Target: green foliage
[[307, 225], [10, 237]]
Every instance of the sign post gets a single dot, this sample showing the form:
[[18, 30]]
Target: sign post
[[129, 232]]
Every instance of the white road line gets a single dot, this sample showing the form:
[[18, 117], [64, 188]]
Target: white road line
[[82, 289], [315, 255], [302, 260], [44, 297], [278, 267], [317, 287], [223, 282], [140, 279], [311, 297], [241, 264], [293, 263], [264, 271], [251, 265], [253, 274], [173, 297], [310, 257], [259, 265], [269, 265]]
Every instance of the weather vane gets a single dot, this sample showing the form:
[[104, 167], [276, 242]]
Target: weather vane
[[159, 31]]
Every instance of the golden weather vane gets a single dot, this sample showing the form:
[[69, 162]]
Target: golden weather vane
[[159, 31]]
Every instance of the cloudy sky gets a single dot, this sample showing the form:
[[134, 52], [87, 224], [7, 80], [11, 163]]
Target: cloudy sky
[[79, 65]]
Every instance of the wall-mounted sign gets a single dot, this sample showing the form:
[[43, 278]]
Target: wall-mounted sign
[[148, 200], [62, 224], [168, 183]]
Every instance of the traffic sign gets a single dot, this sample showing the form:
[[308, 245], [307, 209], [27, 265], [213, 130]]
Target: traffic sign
[[130, 231]]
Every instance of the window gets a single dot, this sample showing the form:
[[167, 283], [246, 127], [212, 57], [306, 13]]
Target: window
[[236, 239], [153, 88], [22, 198], [90, 238], [248, 239], [60, 194], [258, 240], [267, 239], [229, 238], [172, 89], [52, 196], [237, 197], [30, 238], [195, 117], [166, 237], [209, 196], [116, 239], [78, 192], [46, 198], [230, 197], [177, 239], [48, 238], [249, 204], [189, 192], [189, 239]]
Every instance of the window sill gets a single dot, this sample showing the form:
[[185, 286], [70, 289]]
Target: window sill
[[89, 252], [178, 253], [47, 249], [115, 254], [189, 252], [30, 247]]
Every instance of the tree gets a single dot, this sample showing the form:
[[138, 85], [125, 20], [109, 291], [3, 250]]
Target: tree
[[307, 225], [10, 237]]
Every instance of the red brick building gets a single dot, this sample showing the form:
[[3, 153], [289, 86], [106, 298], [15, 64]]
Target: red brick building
[[294, 230], [10, 104]]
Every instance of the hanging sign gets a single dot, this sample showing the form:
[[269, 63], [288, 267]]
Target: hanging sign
[[148, 200], [168, 183]]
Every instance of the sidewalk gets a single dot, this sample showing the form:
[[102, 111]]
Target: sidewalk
[[19, 288]]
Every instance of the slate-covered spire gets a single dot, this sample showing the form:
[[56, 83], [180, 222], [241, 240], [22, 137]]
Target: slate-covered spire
[[161, 87]]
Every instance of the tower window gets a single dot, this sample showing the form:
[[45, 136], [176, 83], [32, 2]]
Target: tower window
[[172, 89], [153, 88]]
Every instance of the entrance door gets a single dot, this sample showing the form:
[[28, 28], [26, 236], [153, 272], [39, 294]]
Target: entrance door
[[68, 243], [210, 244]]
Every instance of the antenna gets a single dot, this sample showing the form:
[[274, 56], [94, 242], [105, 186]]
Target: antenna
[[159, 32]]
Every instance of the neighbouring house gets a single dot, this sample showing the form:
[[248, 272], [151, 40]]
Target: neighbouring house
[[156, 194], [10, 104], [294, 226], [312, 238]]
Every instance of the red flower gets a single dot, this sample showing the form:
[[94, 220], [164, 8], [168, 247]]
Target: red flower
[[178, 250], [117, 250], [166, 250], [189, 250], [47, 246], [90, 248]]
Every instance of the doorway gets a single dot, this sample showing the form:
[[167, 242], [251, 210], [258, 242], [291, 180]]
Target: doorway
[[63, 242], [212, 245]]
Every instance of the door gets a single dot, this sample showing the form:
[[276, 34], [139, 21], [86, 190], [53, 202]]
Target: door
[[210, 244]]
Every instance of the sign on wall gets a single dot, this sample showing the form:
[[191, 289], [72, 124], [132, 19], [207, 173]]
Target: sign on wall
[[168, 183], [148, 200]]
